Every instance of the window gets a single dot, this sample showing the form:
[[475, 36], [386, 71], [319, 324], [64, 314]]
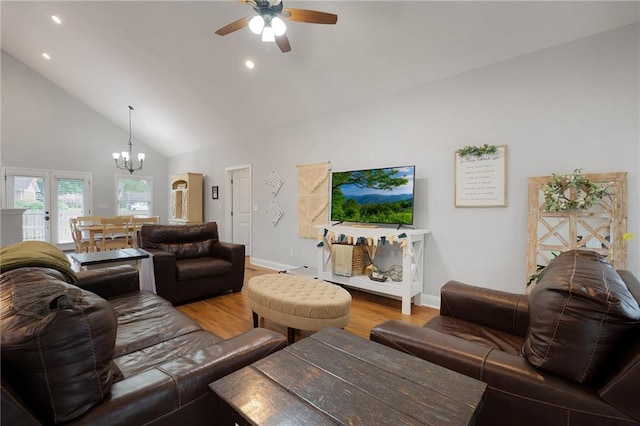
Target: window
[[134, 195]]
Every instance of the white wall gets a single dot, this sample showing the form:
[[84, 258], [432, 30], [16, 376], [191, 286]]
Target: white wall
[[570, 106], [44, 127]]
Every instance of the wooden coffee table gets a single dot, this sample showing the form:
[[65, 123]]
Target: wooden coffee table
[[334, 377], [98, 259], [133, 256]]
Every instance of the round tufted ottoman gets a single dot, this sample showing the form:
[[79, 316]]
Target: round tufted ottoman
[[300, 303]]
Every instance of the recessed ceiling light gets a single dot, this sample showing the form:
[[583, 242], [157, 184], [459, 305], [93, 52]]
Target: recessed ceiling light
[[55, 19], [249, 63], [46, 55]]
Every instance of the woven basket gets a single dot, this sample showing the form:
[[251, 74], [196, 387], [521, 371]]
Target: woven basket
[[359, 260]]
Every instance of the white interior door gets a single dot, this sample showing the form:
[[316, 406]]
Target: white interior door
[[241, 207], [50, 198]]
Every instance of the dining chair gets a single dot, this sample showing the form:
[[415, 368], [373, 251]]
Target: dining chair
[[82, 245], [137, 223], [90, 228], [88, 220], [116, 233]]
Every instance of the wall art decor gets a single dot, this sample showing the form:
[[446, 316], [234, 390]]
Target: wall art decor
[[274, 182], [572, 191], [481, 176], [557, 226], [214, 192], [274, 212], [313, 197]]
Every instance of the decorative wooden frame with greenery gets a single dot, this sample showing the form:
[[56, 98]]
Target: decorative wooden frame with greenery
[[599, 228]]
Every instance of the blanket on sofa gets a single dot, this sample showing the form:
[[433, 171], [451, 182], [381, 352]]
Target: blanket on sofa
[[36, 254]]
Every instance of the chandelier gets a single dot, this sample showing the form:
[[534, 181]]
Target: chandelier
[[128, 163]]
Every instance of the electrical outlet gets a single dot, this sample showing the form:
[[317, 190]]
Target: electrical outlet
[[291, 252]]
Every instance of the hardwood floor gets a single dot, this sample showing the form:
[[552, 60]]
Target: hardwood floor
[[229, 314]]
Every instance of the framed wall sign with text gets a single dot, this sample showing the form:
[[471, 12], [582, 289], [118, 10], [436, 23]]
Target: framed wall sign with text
[[481, 180]]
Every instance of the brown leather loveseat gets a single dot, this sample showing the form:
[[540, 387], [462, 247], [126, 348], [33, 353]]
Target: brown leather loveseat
[[566, 354], [191, 262], [101, 352]]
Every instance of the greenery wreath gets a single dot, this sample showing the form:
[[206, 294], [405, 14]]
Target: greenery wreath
[[572, 192], [477, 150]]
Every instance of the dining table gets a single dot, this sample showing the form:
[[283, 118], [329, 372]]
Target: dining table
[[95, 232]]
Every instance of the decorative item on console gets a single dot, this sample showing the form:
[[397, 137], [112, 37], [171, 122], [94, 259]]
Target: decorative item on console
[[395, 273], [330, 240]]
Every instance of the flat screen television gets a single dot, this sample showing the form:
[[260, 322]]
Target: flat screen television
[[383, 196]]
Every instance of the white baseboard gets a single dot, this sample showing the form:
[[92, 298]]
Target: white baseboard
[[271, 265], [430, 301]]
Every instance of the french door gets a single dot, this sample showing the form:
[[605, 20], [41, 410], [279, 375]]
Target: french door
[[50, 198]]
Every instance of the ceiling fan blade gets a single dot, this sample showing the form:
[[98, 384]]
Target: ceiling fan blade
[[310, 16], [234, 26], [283, 43]]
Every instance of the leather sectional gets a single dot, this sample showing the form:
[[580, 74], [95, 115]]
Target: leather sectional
[[102, 352]]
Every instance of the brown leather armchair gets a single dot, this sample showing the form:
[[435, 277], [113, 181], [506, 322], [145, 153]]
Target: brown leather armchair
[[191, 262], [493, 336]]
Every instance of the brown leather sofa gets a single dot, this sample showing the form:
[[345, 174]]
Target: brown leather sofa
[[191, 262], [566, 354], [101, 352]]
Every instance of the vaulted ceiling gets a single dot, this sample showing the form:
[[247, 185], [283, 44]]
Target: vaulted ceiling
[[190, 88]]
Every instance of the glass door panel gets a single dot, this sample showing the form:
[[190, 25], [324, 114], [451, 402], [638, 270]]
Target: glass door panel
[[70, 203], [28, 192]]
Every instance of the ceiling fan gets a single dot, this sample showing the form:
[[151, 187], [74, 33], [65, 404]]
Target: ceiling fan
[[268, 21]]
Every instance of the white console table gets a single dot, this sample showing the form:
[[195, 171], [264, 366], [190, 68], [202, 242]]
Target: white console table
[[410, 240]]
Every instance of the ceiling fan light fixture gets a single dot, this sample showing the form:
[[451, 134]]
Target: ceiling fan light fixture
[[278, 26], [256, 24], [268, 35]]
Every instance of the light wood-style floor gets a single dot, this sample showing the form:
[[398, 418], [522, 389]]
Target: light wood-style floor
[[229, 314]]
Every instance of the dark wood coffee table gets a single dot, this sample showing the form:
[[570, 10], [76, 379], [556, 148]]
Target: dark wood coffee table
[[334, 377], [98, 259]]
